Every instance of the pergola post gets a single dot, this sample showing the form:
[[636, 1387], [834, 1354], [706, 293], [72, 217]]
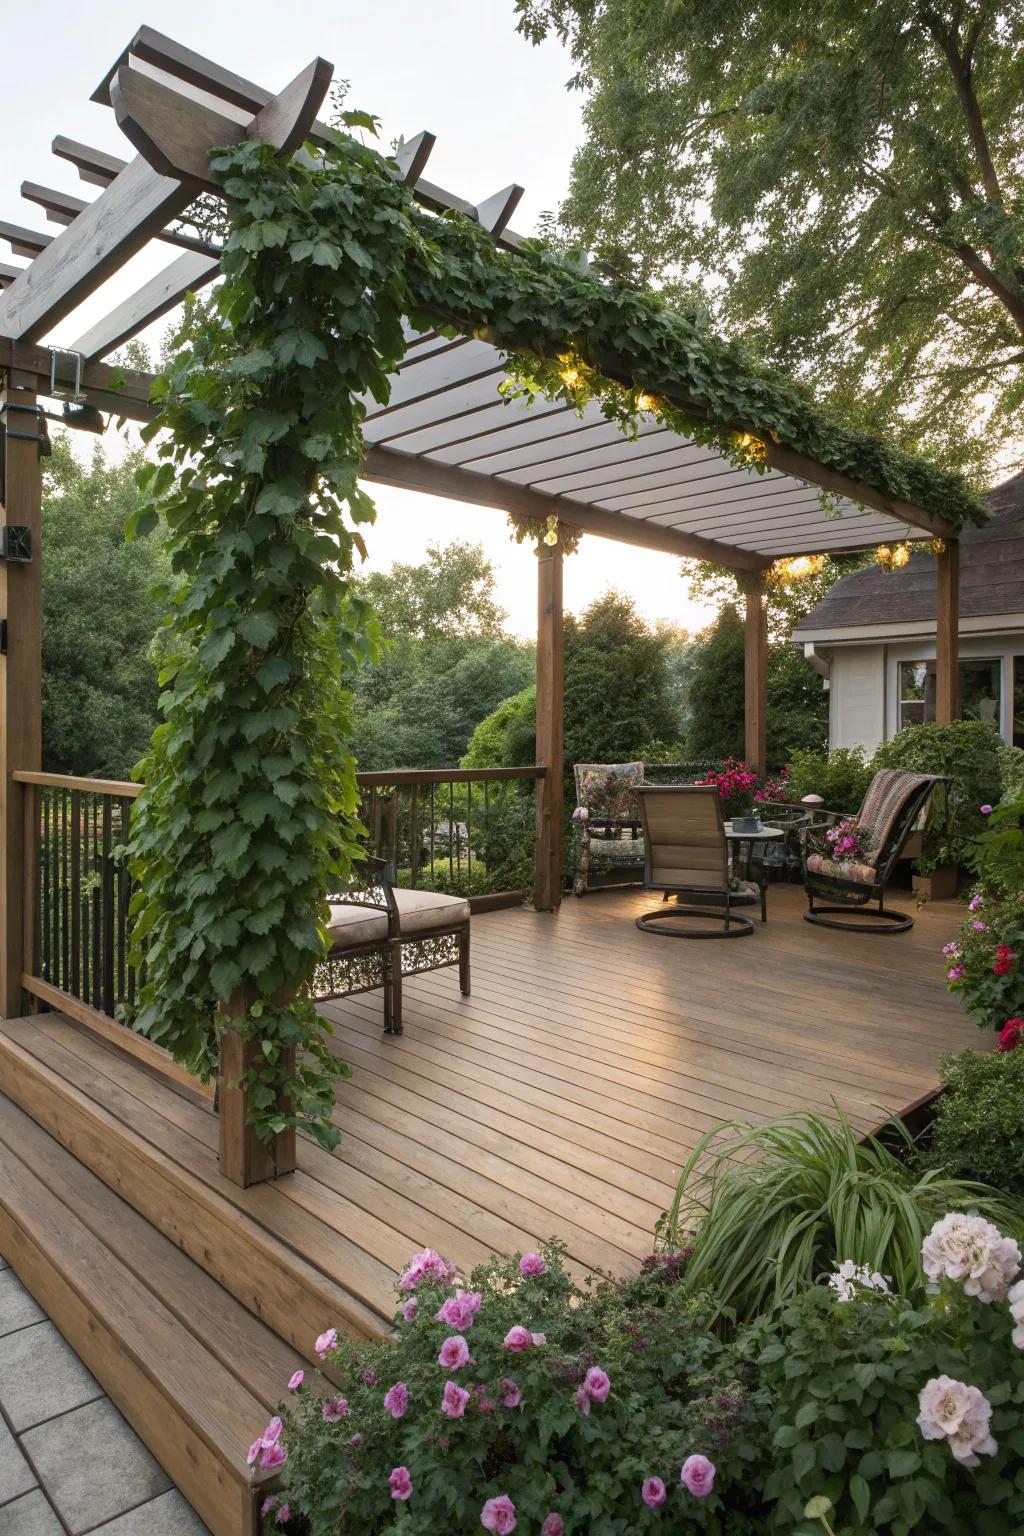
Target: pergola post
[[755, 673], [947, 634], [21, 670], [547, 879], [244, 1159]]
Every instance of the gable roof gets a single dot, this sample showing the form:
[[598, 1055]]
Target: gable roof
[[991, 578]]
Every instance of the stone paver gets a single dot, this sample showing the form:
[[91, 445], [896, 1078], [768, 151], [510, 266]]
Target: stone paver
[[17, 1309], [29, 1516], [168, 1515], [16, 1476], [40, 1376], [93, 1466]]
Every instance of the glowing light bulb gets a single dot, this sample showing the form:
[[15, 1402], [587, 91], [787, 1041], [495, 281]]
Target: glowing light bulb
[[570, 376], [645, 402]]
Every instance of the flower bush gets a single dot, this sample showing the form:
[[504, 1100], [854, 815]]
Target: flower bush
[[847, 842], [977, 1131], [968, 752], [775, 790], [615, 1408], [841, 777], [737, 786], [985, 963]]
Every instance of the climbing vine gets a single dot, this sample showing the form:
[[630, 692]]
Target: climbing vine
[[249, 813]]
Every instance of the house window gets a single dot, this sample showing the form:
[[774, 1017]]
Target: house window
[[1018, 701], [979, 691]]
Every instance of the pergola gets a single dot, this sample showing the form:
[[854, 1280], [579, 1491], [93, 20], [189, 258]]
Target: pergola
[[445, 429]]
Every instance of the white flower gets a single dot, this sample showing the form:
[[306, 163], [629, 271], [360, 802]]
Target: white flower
[[1015, 1296], [971, 1251], [960, 1415], [850, 1277]]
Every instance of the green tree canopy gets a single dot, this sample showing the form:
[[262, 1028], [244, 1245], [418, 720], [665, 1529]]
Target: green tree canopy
[[451, 593], [843, 183], [99, 617]]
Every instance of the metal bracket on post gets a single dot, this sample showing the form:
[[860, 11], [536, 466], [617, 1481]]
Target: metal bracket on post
[[39, 418], [64, 391], [16, 544]]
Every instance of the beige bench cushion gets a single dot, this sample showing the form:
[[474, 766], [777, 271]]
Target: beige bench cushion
[[419, 913]]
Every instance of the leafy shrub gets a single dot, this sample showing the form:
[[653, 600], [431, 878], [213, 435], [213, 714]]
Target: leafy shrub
[[978, 1129], [1011, 772], [609, 1387], [840, 777], [997, 855], [986, 961], [805, 1195], [968, 752]]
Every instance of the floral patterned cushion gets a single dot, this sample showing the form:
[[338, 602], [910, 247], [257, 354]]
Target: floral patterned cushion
[[606, 789], [861, 874]]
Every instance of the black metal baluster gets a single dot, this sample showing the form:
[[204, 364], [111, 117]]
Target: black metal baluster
[[46, 969], [469, 837], [108, 906], [125, 807], [76, 893], [65, 959], [414, 841], [97, 908]]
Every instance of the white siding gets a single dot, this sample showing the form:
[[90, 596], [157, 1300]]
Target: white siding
[[857, 707]]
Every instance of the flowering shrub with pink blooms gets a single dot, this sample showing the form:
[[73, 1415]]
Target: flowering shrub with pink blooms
[[847, 842], [737, 785], [985, 962]]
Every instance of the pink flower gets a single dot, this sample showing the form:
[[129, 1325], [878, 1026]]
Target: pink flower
[[333, 1408], [979, 927], [653, 1492], [986, 810], [518, 1338], [511, 1396], [273, 1456], [371, 1378], [553, 1525], [355, 1441], [272, 1434], [1011, 1035], [401, 1483], [959, 1414], [951, 951], [326, 1342], [531, 1264], [254, 1450], [396, 1399], [583, 1400], [975, 902], [459, 1310], [538, 1340], [283, 1515], [454, 1400], [410, 1309], [428, 1263], [454, 1353], [698, 1476], [499, 1514], [295, 1381], [597, 1384], [956, 973], [267, 1505]]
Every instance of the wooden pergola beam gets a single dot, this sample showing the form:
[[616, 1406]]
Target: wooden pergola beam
[[62, 208], [121, 391], [802, 468], [158, 297]]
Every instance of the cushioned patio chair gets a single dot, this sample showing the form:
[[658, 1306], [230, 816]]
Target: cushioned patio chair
[[896, 803], [609, 848], [687, 854], [380, 933]]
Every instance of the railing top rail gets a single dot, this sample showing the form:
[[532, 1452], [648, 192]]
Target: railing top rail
[[399, 776], [117, 787]]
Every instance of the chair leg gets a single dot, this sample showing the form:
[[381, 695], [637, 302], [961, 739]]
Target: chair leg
[[464, 961], [393, 1025]]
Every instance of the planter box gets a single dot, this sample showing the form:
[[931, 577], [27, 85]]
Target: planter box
[[941, 885]]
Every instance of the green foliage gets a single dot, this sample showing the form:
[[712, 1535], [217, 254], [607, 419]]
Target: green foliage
[[99, 617], [997, 855], [787, 599], [449, 595], [840, 777], [854, 174], [968, 752], [617, 694], [1011, 772], [507, 737], [978, 1126], [673, 1392], [986, 964], [805, 1195], [845, 1379]]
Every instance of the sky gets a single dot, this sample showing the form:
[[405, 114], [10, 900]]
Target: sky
[[501, 114]]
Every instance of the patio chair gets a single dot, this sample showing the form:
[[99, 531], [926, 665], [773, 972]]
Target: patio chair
[[380, 932], [687, 854], [609, 848], [895, 804]]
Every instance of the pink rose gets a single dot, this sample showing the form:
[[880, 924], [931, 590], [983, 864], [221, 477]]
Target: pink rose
[[401, 1483], [597, 1384], [295, 1381], [653, 1492], [410, 1309], [583, 1399], [698, 1476], [553, 1525], [427, 1264], [272, 1434], [538, 1340], [499, 1514], [326, 1342], [531, 1264], [454, 1353], [459, 1310], [396, 1399], [333, 1409], [454, 1400], [355, 1441], [518, 1339], [283, 1515], [511, 1396], [273, 1456], [254, 1450], [986, 810]]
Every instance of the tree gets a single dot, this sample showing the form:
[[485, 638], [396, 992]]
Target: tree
[[445, 661], [99, 617], [842, 183], [617, 686]]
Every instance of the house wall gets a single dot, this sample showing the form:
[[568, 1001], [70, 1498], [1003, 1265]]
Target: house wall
[[864, 691]]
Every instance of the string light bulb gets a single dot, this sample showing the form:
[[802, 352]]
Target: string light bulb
[[551, 531], [797, 568], [645, 402]]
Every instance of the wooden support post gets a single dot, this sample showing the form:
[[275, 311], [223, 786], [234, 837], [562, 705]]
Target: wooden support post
[[547, 880], [755, 673], [947, 635], [243, 1157], [21, 672]]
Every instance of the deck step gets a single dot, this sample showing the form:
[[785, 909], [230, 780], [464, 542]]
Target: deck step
[[192, 1370], [253, 1242]]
